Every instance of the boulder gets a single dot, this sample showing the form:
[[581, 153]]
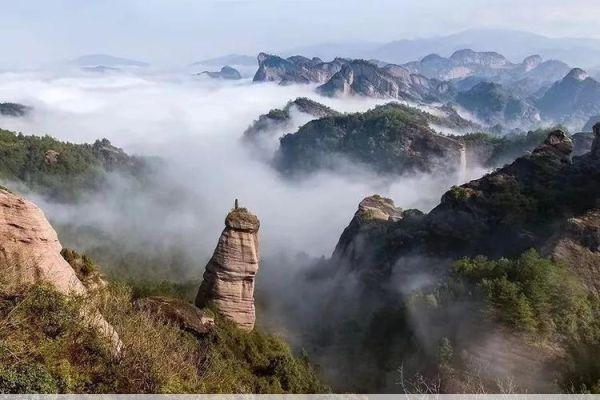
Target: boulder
[[185, 315], [228, 282]]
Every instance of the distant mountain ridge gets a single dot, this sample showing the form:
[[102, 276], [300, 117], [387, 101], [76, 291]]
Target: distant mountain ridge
[[106, 60], [515, 45]]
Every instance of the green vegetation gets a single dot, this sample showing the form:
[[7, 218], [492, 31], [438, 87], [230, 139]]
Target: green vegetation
[[529, 293], [543, 299], [46, 347], [60, 170], [390, 139]]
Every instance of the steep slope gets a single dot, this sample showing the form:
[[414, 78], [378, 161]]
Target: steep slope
[[296, 69], [62, 171], [494, 105], [573, 100], [279, 120], [393, 139], [360, 77], [30, 254]]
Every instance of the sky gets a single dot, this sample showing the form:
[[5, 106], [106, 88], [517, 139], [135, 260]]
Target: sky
[[34, 32]]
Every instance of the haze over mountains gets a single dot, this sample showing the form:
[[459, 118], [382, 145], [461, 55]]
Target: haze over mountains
[[515, 45]]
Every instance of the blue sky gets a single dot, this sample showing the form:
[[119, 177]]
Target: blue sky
[[34, 32]]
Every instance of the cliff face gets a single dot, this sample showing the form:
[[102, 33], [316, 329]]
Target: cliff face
[[30, 253], [228, 281]]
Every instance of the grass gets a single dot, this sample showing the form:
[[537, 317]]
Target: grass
[[46, 347]]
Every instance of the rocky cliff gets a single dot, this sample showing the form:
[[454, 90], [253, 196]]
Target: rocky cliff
[[296, 69], [228, 282], [360, 77], [30, 253]]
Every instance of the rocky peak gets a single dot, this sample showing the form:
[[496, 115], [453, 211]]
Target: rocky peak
[[577, 74], [557, 143], [532, 61], [228, 282], [378, 208]]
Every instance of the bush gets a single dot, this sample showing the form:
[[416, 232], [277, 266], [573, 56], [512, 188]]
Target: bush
[[46, 347], [529, 293]]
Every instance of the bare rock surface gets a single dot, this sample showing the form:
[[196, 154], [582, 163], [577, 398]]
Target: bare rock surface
[[228, 282], [30, 253]]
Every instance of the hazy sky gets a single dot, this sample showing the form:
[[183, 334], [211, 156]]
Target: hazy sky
[[181, 31]]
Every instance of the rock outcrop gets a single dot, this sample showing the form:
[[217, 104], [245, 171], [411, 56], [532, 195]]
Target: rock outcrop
[[296, 69], [226, 72], [30, 253], [228, 282], [360, 77]]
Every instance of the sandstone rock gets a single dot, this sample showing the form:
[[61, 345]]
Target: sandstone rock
[[185, 315], [557, 143], [228, 281], [30, 254], [374, 216]]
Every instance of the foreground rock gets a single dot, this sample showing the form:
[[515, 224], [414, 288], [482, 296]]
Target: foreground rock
[[30, 253], [228, 282]]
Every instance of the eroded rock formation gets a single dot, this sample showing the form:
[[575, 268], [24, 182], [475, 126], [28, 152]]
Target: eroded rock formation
[[30, 253], [228, 282]]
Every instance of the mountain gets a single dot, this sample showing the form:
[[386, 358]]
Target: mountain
[[489, 65], [589, 125], [229, 59], [494, 105], [278, 120], [515, 45], [390, 139], [458, 295], [226, 72], [63, 171], [572, 100], [94, 60], [14, 110], [74, 334], [359, 77], [295, 69]]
